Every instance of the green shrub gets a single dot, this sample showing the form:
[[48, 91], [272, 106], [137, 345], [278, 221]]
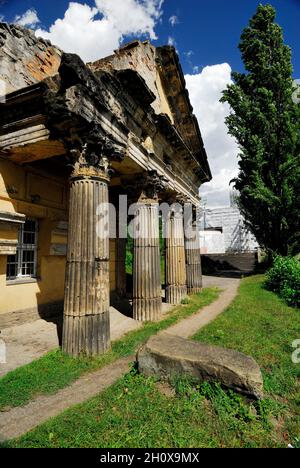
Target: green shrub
[[284, 279]]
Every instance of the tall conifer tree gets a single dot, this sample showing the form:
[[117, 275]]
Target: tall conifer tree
[[265, 121]]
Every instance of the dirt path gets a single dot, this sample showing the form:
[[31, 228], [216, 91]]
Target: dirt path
[[18, 421], [188, 327]]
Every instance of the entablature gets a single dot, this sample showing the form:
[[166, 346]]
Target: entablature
[[78, 103]]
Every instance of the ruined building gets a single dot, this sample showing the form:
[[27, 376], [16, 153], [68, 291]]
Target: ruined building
[[72, 138]]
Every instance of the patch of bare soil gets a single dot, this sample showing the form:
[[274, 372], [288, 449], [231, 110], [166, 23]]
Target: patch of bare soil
[[165, 389]]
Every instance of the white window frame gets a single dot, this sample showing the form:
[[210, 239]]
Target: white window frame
[[21, 248]]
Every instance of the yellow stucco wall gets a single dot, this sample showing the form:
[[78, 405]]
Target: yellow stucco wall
[[17, 186], [48, 289]]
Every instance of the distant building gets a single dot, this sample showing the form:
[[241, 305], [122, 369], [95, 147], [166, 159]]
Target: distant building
[[296, 95], [223, 230]]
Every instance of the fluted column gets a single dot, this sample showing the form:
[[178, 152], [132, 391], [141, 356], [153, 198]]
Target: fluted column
[[193, 261], [176, 288], [86, 309], [147, 289]]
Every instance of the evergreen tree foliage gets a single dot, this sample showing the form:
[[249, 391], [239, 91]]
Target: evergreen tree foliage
[[265, 121]]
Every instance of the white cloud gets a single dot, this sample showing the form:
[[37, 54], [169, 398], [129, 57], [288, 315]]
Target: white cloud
[[29, 18], [132, 16], [205, 90], [1, 18], [188, 57], [174, 20], [171, 41], [81, 32]]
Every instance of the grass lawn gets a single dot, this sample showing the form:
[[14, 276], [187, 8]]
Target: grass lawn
[[139, 412], [56, 370]]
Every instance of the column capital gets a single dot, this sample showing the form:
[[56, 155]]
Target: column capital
[[88, 164], [92, 153], [146, 186], [179, 198]]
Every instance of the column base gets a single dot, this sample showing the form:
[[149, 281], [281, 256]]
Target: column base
[[195, 290], [194, 275], [88, 335], [175, 294], [147, 310]]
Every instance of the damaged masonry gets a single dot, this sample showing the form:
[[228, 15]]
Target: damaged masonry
[[73, 138]]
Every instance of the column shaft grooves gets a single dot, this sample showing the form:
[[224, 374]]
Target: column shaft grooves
[[147, 299], [176, 288], [193, 264], [86, 310]]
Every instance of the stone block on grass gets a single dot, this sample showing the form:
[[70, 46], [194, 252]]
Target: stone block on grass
[[165, 356]]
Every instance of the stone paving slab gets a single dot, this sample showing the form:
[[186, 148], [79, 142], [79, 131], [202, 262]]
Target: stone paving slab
[[28, 341], [32, 340]]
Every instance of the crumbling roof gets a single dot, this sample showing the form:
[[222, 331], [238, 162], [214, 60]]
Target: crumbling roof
[[152, 76], [178, 97], [24, 58], [150, 62]]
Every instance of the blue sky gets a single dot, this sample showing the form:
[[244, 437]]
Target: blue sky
[[205, 33], [210, 29]]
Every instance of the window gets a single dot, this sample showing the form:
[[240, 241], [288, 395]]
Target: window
[[23, 263]]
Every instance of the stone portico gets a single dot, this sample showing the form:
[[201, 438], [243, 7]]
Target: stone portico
[[120, 127]]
